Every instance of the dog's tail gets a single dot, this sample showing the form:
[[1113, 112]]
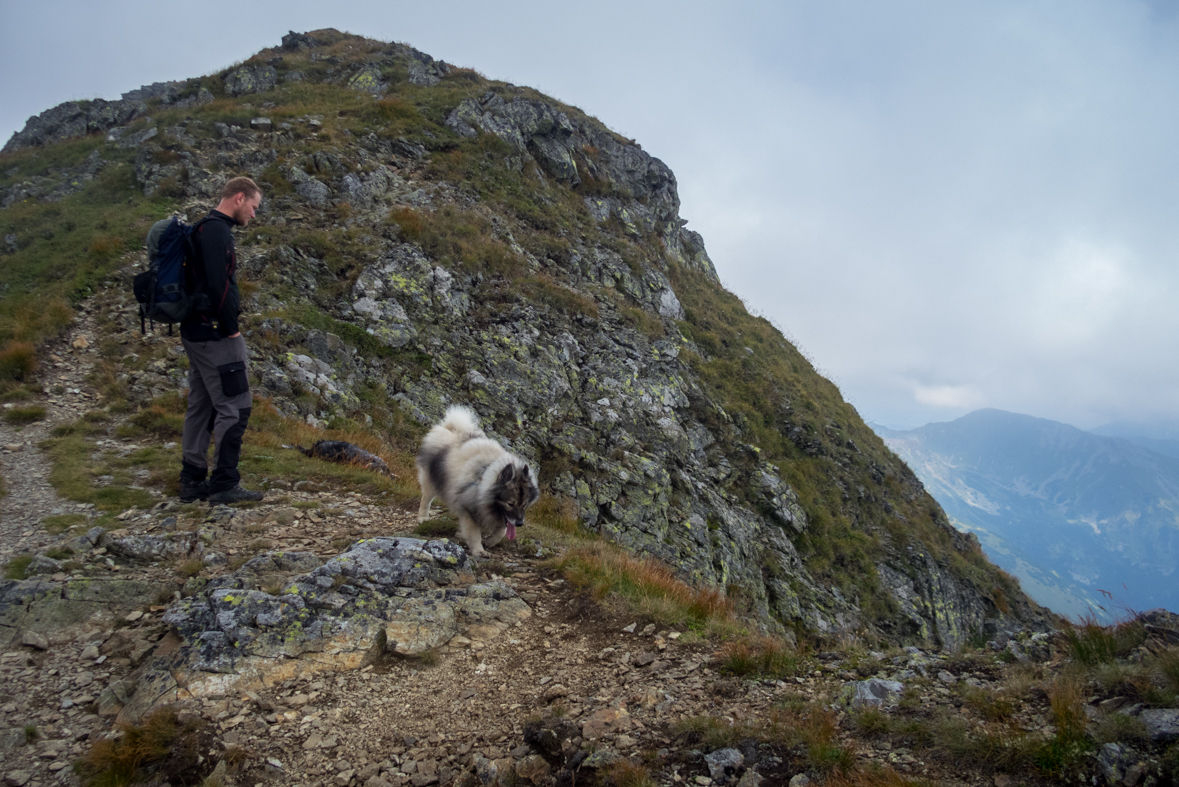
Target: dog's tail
[[306, 451], [462, 420]]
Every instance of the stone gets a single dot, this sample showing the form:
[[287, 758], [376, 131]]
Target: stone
[[250, 79], [751, 778], [34, 640], [601, 759], [150, 548], [724, 765], [605, 720], [1162, 724], [12, 738], [875, 693], [534, 768], [554, 692], [799, 780], [17, 778]]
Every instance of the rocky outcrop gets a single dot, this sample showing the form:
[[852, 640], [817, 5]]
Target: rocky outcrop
[[398, 596], [250, 79], [74, 119]]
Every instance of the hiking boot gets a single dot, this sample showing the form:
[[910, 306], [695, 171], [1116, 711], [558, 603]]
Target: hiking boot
[[192, 491], [234, 495]]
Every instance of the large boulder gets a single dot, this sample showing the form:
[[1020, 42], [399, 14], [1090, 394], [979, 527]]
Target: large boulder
[[384, 595]]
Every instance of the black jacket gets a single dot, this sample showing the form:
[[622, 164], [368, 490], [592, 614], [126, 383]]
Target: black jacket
[[214, 276]]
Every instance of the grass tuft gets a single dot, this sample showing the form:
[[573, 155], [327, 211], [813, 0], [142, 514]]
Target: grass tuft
[[1090, 643], [761, 657], [16, 567], [21, 416]]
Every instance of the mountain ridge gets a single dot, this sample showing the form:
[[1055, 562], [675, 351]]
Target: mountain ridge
[[430, 236]]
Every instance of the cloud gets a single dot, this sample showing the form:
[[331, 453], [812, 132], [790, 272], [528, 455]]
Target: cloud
[[943, 204], [956, 397]]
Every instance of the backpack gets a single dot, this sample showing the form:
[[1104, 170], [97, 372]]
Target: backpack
[[163, 289]]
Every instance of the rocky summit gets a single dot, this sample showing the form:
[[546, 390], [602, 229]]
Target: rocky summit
[[429, 237]]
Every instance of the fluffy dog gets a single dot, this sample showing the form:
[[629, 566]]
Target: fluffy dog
[[484, 486]]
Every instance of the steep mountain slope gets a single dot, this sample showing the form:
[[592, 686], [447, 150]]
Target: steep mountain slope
[[430, 236], [1069, 512]]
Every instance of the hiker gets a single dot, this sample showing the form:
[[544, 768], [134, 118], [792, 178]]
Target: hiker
[[219, 399]]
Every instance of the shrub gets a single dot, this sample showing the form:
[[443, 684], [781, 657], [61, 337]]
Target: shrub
[[18, 360], [20, 416]]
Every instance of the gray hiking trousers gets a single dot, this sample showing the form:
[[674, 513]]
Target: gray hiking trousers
[[219, 404]]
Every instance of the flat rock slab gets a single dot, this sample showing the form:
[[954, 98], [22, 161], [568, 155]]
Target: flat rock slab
[[382, 595], [54, 608]]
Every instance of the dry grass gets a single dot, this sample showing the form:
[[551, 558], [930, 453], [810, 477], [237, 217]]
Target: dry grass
[[813, 731], [189, 568], [650, 586], [761, 657], [627, 774], [159, 739]]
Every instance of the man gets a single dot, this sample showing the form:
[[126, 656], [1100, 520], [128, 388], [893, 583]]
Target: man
[[219, 399]]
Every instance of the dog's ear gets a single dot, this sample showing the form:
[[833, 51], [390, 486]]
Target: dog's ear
[[506, 475], [524, 472]]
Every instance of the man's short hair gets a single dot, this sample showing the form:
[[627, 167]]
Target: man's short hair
[[240, 186]]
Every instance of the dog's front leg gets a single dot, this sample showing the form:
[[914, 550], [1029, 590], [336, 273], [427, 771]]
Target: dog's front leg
[[472, 535], [496, 536], [428, 496]]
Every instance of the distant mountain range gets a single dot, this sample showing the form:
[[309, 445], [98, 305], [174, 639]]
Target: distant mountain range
[[1070, 513], [1161, 438]]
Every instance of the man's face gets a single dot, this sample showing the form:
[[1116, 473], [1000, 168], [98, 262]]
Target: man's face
[[246, 208]]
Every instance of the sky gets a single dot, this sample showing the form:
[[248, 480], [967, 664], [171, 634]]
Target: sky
[[945, 206]]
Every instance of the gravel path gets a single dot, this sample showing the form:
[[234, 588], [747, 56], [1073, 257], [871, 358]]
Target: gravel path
[[25, 468]]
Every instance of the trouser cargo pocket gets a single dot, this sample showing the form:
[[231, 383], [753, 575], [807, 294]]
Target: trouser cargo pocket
[[233, 378]]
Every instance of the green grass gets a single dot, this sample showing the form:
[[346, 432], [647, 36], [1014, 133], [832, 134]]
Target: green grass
[[74, 472], [438, 527], [15, 568], [60, 523]]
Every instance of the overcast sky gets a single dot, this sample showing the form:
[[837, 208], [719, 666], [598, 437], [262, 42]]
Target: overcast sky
[[946, 206]]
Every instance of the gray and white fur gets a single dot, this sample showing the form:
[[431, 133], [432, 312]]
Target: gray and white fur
[[486, 487]]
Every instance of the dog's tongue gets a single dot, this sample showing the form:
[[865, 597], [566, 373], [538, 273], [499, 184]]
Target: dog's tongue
[[511, 532]]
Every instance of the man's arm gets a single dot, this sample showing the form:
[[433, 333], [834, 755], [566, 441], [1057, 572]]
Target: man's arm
[[217, 255]]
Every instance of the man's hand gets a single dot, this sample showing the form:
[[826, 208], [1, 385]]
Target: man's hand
[[239, 333]]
